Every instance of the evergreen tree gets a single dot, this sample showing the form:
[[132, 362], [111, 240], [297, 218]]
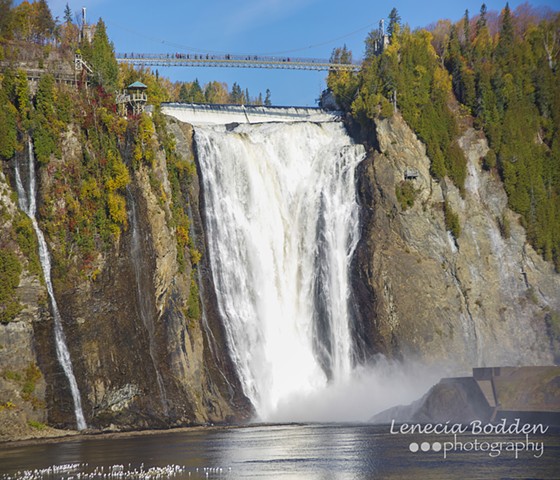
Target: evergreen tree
[[394, 20], [505, 41], [267, 100], [236, 94], [467, 35], [102, 58], [184, 94], [67, 14], [5, 17], [481, 22], [196, 93]]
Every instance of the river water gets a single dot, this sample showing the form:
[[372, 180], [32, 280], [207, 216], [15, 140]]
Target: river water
[[302, 451]]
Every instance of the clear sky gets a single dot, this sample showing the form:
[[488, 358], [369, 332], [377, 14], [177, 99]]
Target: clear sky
[[305, 28]]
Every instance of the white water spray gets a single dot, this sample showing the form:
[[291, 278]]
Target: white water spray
[[28, 203], [282, 225]]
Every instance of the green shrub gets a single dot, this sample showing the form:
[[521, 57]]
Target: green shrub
[[489, 162], [452, 223], [406, 194], [10, 271], [27, 241], [193, 303], [36, 425], [32, 376]]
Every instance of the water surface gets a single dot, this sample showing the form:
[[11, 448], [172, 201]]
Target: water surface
[[316, 451]]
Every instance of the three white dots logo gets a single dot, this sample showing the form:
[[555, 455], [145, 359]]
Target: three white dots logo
[[424, 446]]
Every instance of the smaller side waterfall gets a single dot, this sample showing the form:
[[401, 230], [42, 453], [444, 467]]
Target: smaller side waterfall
[[28, 203]]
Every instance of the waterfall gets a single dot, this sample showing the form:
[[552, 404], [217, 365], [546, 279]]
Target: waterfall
[[282, 224], [144, 300], [28, 203]]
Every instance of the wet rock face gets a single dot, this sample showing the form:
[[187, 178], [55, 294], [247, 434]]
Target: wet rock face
[[22, 385], [138, 360], [480, 299]]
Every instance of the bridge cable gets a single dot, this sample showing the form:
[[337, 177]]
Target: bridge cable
[[217, 52]]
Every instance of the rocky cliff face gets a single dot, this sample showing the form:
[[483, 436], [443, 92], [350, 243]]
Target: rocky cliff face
[[140, 360], [484, 298], [22, 386]]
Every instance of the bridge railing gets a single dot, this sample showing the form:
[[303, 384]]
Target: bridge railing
[[232, 61], [226, 57]]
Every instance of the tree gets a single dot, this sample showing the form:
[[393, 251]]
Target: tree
[[8, 127], [236, 94], [67, 14], [5, 17], [481, 22], [184, 93], [196, 94], [216, 92], [343, 84], [372, 43], [44, 23], [267, 100], [394, 20], [102, 58], [467, 34], [505, 41]]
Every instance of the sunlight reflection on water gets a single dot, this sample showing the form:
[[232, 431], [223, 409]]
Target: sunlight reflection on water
[[316, 451]]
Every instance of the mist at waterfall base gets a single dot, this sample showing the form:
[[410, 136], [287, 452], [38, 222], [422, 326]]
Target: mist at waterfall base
[[367, 391], [283, 223]]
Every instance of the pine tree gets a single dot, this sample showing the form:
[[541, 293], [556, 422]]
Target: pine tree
[[67, 14], [505, 41], [103, 59], [267, 100], [236, 94], [196, 93], [394, 20], [481, 23], [184, 93], [467, 34]]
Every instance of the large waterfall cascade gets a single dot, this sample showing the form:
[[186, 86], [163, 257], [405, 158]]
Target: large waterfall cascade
[[282, 224], [28, 203]]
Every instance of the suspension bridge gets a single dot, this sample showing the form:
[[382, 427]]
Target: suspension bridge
[[233, 61]]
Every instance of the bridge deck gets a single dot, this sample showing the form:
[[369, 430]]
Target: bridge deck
[[233, 61]]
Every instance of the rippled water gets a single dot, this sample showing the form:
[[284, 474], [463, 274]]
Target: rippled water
[[278, 451]]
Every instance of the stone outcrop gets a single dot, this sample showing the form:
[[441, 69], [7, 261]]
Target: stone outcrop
[[484, 298], [530, 394]]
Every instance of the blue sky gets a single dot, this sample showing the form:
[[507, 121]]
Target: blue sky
[[306, 28]]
